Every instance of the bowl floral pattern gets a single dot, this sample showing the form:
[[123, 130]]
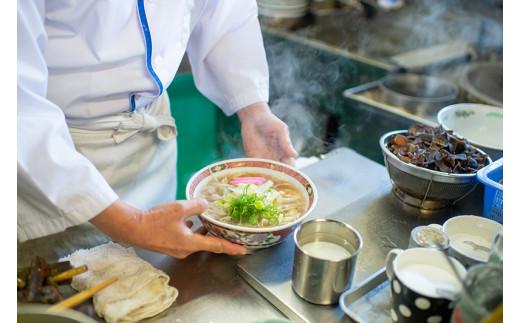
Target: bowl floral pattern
[[253, 238]]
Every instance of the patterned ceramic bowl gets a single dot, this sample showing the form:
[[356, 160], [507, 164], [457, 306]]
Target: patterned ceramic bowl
[[253, 238]]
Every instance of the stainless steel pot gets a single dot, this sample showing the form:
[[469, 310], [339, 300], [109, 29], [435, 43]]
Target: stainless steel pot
[[483, 83], [420, 95]]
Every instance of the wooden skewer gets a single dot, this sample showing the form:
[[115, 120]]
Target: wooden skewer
[[81, 297]]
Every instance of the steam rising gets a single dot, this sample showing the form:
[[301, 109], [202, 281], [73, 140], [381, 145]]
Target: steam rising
[[305, 87], [306, 83]]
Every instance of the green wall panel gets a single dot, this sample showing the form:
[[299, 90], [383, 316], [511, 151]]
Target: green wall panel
[[195, 117]]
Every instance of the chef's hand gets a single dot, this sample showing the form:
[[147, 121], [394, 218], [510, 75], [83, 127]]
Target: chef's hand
[[264, 135], [163, 229]]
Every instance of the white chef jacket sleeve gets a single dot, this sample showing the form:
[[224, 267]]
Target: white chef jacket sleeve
[[227, 55], [57, 186]]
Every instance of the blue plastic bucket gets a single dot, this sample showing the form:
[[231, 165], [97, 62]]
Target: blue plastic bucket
[[491, 176]]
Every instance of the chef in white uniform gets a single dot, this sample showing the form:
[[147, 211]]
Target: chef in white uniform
[[96, 141]]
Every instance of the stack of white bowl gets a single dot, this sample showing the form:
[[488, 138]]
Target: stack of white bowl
[[283, 8]]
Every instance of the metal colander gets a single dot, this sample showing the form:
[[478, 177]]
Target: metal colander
[[426, 184]]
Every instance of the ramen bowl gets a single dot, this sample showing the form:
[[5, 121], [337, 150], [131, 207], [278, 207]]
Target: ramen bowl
[[253, 238]]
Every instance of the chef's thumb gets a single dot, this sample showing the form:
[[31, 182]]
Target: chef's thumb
[[217, 245]]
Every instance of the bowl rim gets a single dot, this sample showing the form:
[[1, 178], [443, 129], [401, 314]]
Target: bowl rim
[[251, 229], [452, 107], [457, 263], [387, 152], [479, 218], [344, 224]]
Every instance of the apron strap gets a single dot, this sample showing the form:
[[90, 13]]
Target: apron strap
[[155, 117], [164, 125]]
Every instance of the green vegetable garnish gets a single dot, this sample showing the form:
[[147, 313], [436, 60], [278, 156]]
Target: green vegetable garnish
[[251, 208]]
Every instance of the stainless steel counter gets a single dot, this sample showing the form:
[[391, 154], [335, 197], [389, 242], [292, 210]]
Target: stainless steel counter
[[363, 190], [210, 288]]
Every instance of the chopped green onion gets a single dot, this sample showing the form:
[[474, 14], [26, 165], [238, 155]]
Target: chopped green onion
[[250, 208]]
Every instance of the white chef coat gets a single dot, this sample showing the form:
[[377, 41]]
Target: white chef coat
[[87, 59]]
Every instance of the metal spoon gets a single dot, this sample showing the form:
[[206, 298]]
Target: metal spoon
[[447, 293]]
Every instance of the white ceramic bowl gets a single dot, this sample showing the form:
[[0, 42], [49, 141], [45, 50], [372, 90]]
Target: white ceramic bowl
[[253, 238], [466, 233], [480, 124], [283, 8]]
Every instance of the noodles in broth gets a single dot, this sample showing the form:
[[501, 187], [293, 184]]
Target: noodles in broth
[[252, 200]]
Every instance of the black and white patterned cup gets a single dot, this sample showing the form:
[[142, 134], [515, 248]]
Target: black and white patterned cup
[[422, 284]]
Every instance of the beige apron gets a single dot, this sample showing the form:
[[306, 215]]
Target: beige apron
[[136, 153]]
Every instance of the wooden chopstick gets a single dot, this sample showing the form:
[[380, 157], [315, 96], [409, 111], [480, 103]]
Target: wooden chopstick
[[68, 274], [495, 316], [81, 297]]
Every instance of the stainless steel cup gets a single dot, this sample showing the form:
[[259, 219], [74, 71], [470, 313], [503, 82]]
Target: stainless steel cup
[[315, 278]]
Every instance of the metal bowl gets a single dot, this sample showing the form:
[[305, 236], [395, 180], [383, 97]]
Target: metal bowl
[[418, 94], [483, 83], [423, 183]]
